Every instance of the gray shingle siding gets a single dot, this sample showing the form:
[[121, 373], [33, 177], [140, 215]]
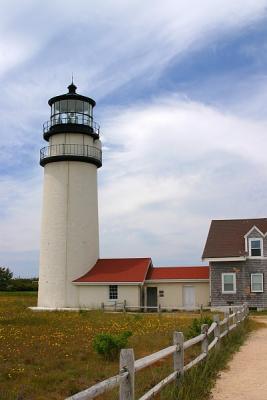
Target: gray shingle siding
[[243, 270]]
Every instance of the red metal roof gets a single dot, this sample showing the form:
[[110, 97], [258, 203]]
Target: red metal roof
[[169, 273], [117, 270], [226, 237]]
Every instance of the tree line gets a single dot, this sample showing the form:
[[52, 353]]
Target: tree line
[[9, 283]]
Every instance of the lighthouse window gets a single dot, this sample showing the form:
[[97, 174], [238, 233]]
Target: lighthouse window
[[86, 108], [63, 106], [113, 292], [79, 106], [71, 105], [57, 105]]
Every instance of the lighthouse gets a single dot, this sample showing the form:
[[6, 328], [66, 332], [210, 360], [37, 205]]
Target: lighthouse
[[69, 232]]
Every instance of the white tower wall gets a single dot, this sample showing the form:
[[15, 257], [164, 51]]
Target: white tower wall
[[69, 235]]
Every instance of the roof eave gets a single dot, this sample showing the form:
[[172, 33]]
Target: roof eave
[[107, 283], [177, 280], [220, 259]]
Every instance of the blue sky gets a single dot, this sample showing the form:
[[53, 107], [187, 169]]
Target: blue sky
[[181, 94]]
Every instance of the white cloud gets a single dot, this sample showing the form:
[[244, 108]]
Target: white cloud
[[20, 214], [181, 164], [170, 166]]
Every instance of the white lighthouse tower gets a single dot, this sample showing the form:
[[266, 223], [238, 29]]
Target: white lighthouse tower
[[69, 234]]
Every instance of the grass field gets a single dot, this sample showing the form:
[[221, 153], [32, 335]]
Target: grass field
[[47, 355]]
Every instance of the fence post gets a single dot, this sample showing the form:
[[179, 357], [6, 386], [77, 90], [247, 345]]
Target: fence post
[[102, 306], [226, 315], [234, 317], [127, 364], [242, 313], [178, 356], [159, 308], [217, 330], [124, 305], [239, 314], [205, 342]]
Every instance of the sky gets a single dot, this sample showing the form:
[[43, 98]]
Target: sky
[[181, 93]]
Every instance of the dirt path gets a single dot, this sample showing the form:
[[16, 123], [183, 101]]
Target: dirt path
[[246, 378]]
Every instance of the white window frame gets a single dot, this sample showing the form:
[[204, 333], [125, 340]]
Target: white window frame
[[251, 287], [234, 282], [249, 246], [109, 292]]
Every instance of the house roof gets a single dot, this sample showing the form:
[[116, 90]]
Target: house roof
[[226, 237], [117, 270], [129, 270], [169, 273]]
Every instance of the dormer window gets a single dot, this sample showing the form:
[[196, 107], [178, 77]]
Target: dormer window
[[255, 247]]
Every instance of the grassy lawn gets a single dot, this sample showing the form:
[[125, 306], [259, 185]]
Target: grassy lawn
[[47, 355]]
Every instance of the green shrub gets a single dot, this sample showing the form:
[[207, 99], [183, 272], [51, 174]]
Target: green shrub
[[195, 327], [5, 278], [24, 285], [109, 346]]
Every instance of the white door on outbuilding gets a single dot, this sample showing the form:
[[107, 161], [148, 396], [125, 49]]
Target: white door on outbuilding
[[189, 298]]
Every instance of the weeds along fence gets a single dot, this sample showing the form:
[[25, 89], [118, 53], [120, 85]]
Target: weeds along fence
[[209, 338]]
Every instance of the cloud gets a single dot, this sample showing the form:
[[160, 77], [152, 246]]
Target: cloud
[[20, 213], [170, 164], [169, 168], [180, 165]]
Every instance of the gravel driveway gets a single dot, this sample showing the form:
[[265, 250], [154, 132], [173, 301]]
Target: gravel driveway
[[246, 378]]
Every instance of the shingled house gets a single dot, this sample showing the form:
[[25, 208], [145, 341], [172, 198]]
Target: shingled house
[[237, 254]]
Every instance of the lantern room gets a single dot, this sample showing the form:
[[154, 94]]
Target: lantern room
[[71, 112]]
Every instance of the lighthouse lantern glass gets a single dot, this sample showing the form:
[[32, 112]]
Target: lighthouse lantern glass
[[72, 111], [71, 106]]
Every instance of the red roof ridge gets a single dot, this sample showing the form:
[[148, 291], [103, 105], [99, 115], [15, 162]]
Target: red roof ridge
[[125, 258], [181, 266]]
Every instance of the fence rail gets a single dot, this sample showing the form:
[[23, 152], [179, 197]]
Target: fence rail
[[123, 306], [128, 366]]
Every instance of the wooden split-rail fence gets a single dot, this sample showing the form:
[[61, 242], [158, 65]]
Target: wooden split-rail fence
[[209, 338], [123, 306]]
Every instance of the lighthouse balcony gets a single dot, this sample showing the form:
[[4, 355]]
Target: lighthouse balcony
[[71, 152], [71, 122]]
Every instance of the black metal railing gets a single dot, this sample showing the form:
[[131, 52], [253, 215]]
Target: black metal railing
[[78, 150], [71, 118]]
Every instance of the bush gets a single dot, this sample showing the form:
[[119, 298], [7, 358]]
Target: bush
[[5, 278], [195, 327], [24, 285], [109, 346]]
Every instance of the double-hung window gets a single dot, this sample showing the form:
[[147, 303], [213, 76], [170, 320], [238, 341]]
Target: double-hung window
[[256, 283], [255, 247], [228, 283], [113, 292]]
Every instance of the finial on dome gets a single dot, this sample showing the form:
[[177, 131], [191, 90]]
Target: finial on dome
[[72, 88]]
